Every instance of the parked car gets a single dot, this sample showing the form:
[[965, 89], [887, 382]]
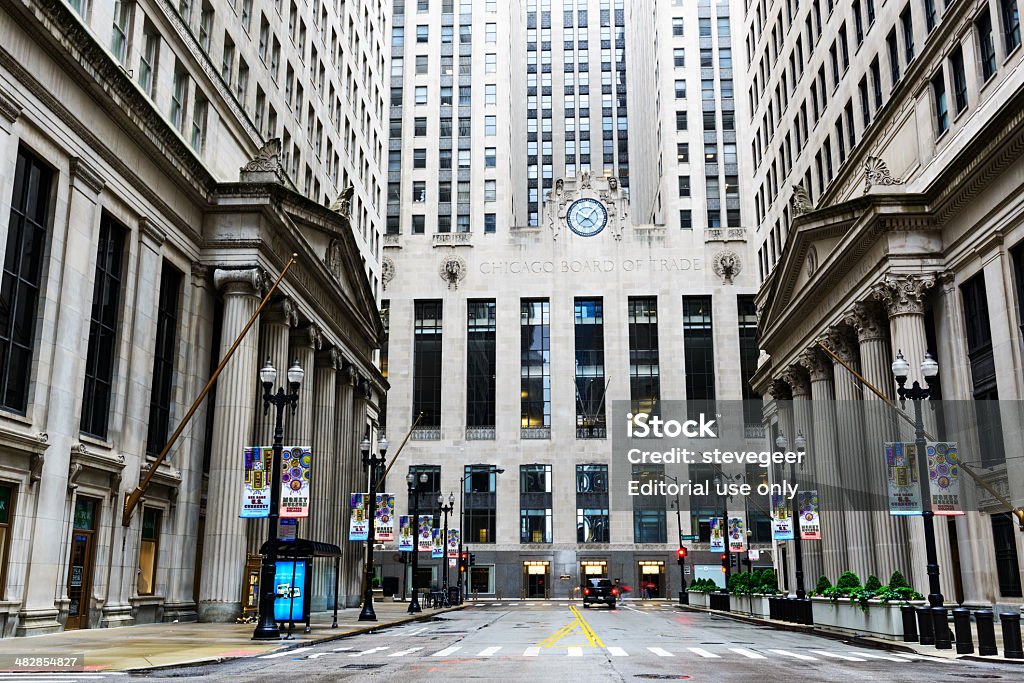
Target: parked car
[[599, 591]]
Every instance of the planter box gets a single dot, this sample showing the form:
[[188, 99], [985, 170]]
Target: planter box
[[881, 620], [754, 605], [698, 599]]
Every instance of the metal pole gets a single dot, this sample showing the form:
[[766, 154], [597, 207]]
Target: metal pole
[[414, 604], [367, 613], [444, 557], [266, 628], [462, 533], [927, 515], [801, 593]]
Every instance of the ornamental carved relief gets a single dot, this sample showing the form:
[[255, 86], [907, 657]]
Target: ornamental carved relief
[[796, 377], [387, 271], [343, 204], [726, 264], [333, 258], [903, 294], [800, 202], [453, 270], [267, 158], [865, 318], [837, 338], [876, 172], [812, 261], [815, 363]]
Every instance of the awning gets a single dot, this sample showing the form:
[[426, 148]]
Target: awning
[[302, 547]]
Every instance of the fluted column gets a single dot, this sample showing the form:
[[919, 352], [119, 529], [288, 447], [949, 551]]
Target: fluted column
[[807, 478], [853, 459], [305, 342], [782, 396], [235, 406], [352, 453], [348, 468], [889, 532], [322, 498], [824, 452]]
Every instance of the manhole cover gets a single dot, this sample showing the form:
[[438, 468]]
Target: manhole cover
[[663, 677], [363, 667]]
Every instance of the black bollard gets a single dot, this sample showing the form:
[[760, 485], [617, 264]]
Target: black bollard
[[940, 623], [1010, 622], [986, 633], [925, 625], [909, 624], [964, 637]]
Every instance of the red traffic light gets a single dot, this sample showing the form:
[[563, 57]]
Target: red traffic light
[[681, 553]]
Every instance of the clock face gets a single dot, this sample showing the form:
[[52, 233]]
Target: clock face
[[587, 217]]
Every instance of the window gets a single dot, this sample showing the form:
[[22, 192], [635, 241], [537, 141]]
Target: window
[[983, 374], [956, 64], [419, 191], [427, 363], [149, 546], [99, 365], [179, 91], [479, 493], [939, 98], [422, 34], [490, 223], [490, 157], [684, 185], [908, 34], [199, 123], [23, 272], [680, 88], [490, 125], [535, 364], [929, 15], [164, 352], [147, 59], [1004, 541], [1011, 24], [644, 363], [986, 44], [592, 525], [686, 219], [677, 26], [491, 33], [490, 93], [119, 37], [683, 152], [752, 406], [535, 504], [680, 120], [490, 63], [649, 511], [679, 56], [590, 378], [480, 363], [894, 57], [698, 354], [419, 225], [419, 158], [420, 126], [227, 63], [6, 514], [490, 190]]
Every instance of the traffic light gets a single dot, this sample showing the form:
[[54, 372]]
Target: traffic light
[[472, 559], [725, 563], [681, 555], [462, 562]]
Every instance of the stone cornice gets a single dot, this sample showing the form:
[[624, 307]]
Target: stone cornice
[[150, 230], [90, 177], [10, 110]]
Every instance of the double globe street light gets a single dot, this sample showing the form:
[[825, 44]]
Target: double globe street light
[[447, 510], [782, 443], [373, 462], [414, 604]]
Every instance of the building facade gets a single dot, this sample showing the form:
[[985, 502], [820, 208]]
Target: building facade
[[885, 143], [155, 179]]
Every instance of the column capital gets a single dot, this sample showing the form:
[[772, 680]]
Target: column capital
[[839, 343], [309, 336], [240, 280], [796, 377], [903, 294], [866, 318], [779, 390], [815, 363], [328, 358]]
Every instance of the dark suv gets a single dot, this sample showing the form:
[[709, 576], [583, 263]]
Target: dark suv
[[600, 591]]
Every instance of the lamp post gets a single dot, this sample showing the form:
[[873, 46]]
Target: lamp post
[[266, 625], [372, 462], [491, 469], [414, 604], [782, 443], [917, 393], [684, 597], [446, 510]]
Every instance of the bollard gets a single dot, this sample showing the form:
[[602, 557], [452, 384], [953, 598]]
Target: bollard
[[964, 637], [940, 624], [925, 625], [1010, 622], [986, 633], [909, 624]]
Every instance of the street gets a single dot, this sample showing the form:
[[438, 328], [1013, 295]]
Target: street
[[541, 641]]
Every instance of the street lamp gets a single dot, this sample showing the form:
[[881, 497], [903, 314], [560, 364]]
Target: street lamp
[[446, 509], [917, 393], [684, 597], [491, 469], [414, 604], [372, 462], [782, 443], [266, 625]]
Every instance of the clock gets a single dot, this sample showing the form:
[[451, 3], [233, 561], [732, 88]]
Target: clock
[[587, 217]]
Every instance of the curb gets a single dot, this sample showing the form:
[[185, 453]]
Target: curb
[[292, 646]]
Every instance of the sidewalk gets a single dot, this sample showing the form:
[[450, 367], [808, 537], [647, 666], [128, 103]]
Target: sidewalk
[[163, 645]]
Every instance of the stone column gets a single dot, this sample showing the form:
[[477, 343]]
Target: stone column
[[348, 480], [904, 300], [889, 532], [323, 498], [823, 451], [796, 378], [782, 397], [305, 342], [357, 560], [220, 590], [853, 459]]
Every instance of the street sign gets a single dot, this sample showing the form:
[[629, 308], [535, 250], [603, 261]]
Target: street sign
[[453, 562], [683, 537]]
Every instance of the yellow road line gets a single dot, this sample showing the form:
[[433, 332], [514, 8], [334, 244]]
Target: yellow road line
[[595, 641]]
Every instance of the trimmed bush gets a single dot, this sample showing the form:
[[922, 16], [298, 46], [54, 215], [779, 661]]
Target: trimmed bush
[[823, 585], [872, 584], [897, 580]]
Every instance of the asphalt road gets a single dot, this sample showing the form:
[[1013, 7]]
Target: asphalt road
[[562, 641]]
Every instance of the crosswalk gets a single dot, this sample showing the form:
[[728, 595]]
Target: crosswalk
[[493, 651]]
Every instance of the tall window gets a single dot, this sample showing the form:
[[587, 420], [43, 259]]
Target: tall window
[[644, 362], [590, 381], [939, 98], [752, 416], [149, 546], [908, 33], [22, 277], [1004, 539], [956, 64], [986, 44], [99, 365], [119, 37], [427, 493], [163, 359], [592, 524], [148, 58], [535, 384], [649, 511], [535, 504], [480, 366], [426, 358], [480, 498], [6, 515], [983, 371], [1011, 24], [698, 354]]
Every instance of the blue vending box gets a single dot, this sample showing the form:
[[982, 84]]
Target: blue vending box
[[290, 582]]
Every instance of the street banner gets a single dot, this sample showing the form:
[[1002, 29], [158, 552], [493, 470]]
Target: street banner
[[358, 525], [453, 543], [810, 523], [737, 542], [437, 544], [384, 524], [944, 478], [425, 542], [256, 487], [901, 470], [295, 462], [782, 518], [405, 537], [717, 537], [753, 555]]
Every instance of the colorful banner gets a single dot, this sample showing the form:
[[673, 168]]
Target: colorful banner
[[717, 537], [782, 518], [384, 523], [295, 463], [944, 478], [437, 544], [453, 543], [737, 542], [358, 524], [256, 489], [426, 541], [901, 470], [810, 523], [405, 538]]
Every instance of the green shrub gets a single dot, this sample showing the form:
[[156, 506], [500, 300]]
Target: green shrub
[[823, 585], [897, 580], [872, 584], [848, 582], [768, 582]]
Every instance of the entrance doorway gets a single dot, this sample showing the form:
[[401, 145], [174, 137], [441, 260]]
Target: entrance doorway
[[535, 580], [652, 579], [80, 563]]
